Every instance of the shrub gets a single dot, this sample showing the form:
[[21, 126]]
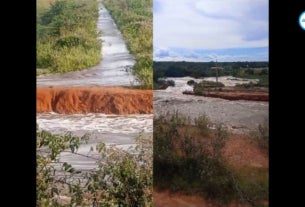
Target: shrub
[[202, 86], [246, 85], [202, 122], [191, 162], [163, 84], [121, 179], [191, 82], [261, 136], [185, 163]]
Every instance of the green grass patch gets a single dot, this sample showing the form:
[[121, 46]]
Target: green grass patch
[[67, 36], [134, 19]]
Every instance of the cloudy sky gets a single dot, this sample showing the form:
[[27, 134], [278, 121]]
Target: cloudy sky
[[205, 30]]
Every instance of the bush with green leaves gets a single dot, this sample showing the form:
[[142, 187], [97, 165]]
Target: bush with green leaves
[[67, 36], [201, 87], [121, 179], [134, 19], [191, 82], [187, 158], [163, 84]]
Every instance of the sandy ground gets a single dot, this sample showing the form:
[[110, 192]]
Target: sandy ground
[[167, 199], [240, 151]]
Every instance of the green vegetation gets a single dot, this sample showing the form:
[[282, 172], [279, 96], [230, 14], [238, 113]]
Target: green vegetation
[[134, 19], [187, 158], [191, 82], [67, 36], [42, 6], [261, 136], [121, 179], [163, 84], [249, 70], [202, 86]]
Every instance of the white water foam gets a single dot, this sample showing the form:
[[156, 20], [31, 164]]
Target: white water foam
[[59, 123]]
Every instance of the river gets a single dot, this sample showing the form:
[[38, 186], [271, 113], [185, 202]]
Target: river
[[239, 116]]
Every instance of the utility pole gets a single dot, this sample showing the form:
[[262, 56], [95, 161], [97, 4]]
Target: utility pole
[[216, 68], [216, 71]]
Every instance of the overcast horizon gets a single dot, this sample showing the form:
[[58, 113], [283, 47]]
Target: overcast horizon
[[210, 30]]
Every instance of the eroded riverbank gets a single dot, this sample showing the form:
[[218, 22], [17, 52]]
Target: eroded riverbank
[[107, 100]]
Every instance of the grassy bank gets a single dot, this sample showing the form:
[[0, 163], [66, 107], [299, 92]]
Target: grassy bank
[[189, 159], [67, 36], [134, 19]]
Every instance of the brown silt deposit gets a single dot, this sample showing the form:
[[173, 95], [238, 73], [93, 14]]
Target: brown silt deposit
[[107, 100]]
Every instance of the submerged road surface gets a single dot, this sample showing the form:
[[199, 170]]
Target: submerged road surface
[[114, 68]]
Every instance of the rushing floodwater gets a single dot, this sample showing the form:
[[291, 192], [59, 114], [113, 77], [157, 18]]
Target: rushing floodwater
[[240, 116], [119, 131], [114, 68], [95, 123]]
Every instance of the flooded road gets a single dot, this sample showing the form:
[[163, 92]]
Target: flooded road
[[115, 130], [239, 116], [114, 68]]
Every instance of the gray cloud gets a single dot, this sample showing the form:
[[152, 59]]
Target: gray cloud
[[209, 24]]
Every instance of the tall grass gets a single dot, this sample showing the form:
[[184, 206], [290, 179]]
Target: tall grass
[[67, 36], [43, 5], [187, 158], [134, 19]]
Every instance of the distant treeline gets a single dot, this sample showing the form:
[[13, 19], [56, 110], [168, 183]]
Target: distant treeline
[[203, 69]]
